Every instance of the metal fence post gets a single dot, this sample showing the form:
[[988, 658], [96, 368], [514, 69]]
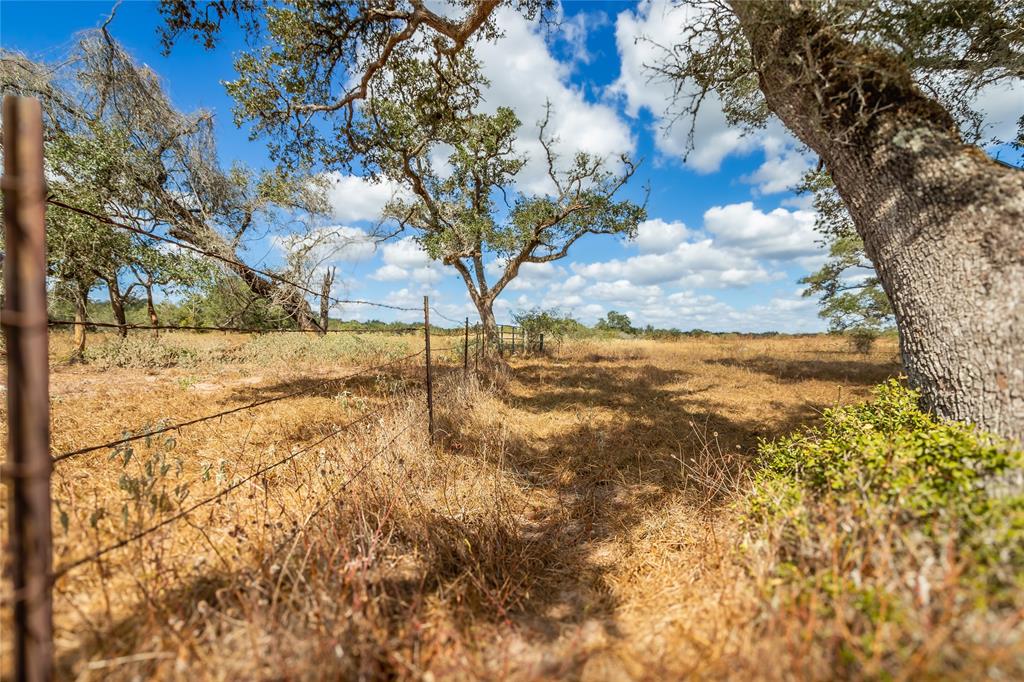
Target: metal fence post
[[430, 382], [542, 342], [465, 352], [23, 319], [476, 356], [513, 340]]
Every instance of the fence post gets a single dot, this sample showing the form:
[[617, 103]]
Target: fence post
[[465, 352], [23, 319], [476, 356], [542, 342], [430, 381]]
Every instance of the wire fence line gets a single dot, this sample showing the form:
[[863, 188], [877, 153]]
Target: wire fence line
[[30, 462], [258, 403], [134, 537], [234, 262], [241, 330]]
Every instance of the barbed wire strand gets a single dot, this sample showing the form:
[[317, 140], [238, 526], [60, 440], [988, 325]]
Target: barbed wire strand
[[191, 422], [221, 493], [216, 256], [333, 493], [244, 330]]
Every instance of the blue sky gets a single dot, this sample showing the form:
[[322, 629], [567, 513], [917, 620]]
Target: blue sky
[[725, 243]]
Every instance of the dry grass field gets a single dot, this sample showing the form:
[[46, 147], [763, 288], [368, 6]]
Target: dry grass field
[[573, 520]]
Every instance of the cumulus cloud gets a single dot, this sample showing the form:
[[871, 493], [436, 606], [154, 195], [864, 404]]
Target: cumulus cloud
[[698, 264], [353, 198], [405, 260], [658, 236], [524, 75], [778, 234], [404, 253], [332, 243], [642, 37]]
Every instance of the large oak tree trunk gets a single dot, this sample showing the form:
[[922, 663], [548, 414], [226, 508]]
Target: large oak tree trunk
[[942, 223]]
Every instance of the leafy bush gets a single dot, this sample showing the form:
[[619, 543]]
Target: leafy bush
[[552, 323], [269, 348], [140, 352], [887, 527]]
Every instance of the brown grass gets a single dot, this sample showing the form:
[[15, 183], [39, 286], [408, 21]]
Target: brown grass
[[570, 522]]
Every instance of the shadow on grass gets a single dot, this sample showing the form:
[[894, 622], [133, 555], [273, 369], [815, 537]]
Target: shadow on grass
[[866, 371]]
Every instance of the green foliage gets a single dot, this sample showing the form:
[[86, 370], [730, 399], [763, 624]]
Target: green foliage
[[141, 352], [555, 325], [330, 349], [417, 104], [227, 302], [849, 292], [888, 474], [617, 322]]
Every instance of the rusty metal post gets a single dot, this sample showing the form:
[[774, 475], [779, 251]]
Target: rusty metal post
[[465, 351], [430, 380], [23, 320]]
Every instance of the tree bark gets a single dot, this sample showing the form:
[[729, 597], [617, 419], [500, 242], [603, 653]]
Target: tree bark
[[325, 299], [489, 325], [154, 321], [942, 223], [81, 293], [117, 305]]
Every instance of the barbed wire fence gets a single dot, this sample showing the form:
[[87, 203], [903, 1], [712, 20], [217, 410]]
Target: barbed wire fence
[[30, 463]]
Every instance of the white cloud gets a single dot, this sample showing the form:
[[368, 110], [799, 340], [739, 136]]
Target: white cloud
[[353, 198], [1001, 106], [524, 75], [642, 37], [328, 244], [778, 234], [405, 253], [696, 264], [623, 291], [779, 173], [390, 273], [658, 236]]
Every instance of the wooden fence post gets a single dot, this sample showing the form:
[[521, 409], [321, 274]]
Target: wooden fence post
[[465, 352], [430, 381], [23, 319]]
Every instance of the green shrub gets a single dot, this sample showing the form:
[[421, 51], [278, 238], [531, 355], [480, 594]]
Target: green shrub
[[884, 521], [140, 352], [272, 348]]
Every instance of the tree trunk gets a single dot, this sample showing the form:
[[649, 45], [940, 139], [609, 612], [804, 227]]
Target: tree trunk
[[154, 321], [942, 223], [81, 294], [117, 305], [291, 300], [489, 337], [325, 299]]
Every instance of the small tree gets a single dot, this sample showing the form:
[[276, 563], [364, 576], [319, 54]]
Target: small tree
[[551, 323], [848, 289], [616, 322], [459, 221]]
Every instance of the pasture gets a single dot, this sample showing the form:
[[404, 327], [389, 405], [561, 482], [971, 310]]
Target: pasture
[[575, 516]]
